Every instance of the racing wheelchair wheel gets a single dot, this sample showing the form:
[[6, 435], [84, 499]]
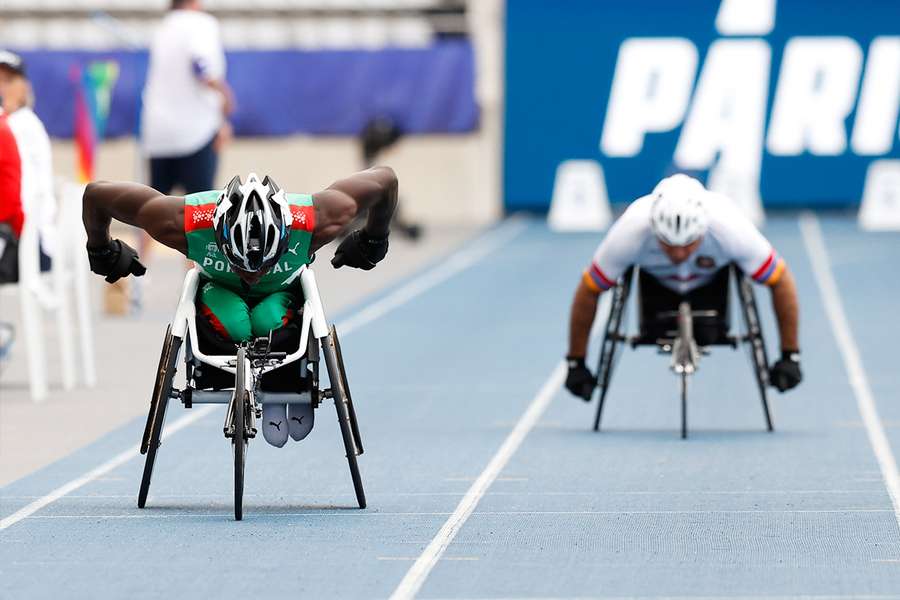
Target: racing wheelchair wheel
[[239, 439], [354, 425], [756, 344], [344, 410], [159, 401], [611, 340]]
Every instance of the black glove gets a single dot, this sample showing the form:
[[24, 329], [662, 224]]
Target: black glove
[[115, 260], [785, 374], [360, 250], [579, 381]]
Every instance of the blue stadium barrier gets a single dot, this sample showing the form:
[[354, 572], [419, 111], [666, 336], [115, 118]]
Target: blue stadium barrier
[[640, 87], [279, 93]]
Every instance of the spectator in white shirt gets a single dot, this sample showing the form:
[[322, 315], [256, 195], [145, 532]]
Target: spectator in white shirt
[[38, 199], [186, 100]]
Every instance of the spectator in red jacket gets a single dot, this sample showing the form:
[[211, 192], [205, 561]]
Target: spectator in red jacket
[[10, 180], [11, 215]]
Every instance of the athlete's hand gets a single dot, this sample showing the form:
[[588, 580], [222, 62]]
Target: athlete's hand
[[115, 260], [785, 374], [579, 381], [360, 250]]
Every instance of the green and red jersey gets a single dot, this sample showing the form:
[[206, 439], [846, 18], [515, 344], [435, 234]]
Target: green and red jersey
[[203, 249]]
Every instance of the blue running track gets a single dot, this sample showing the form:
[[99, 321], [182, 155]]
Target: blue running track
[[439, 382]]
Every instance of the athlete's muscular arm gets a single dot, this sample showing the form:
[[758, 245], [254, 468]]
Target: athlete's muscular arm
[[374, 189], [787, 310], [159, 215], [584, 308]]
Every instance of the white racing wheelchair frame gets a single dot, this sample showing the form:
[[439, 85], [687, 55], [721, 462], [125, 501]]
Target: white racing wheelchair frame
[[682, 346], [244, 402]]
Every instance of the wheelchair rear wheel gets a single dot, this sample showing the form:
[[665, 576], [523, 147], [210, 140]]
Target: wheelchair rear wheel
[[756, 346], [342, 406], [611, 340], [239, 440], [354, 425], [159, 401]]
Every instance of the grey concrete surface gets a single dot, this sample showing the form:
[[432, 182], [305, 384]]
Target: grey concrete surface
[[127, 351]]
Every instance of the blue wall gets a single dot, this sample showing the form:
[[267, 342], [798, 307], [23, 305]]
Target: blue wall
[[561, 60], [286, 92]]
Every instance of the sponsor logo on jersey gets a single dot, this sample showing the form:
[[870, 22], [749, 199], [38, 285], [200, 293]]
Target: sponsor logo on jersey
[[222, 266], [216, 264]]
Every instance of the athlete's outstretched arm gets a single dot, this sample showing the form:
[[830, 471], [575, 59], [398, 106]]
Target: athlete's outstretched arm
[[787, 310], [374, 189], [584, 308], [159, 215], [579, 380], [785, 373]]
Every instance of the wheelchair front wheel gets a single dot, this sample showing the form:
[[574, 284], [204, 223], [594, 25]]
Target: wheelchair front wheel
[[239, 440], [159, 401]]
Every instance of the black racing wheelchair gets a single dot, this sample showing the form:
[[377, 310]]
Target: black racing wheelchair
[[247, 368], [686, 333]]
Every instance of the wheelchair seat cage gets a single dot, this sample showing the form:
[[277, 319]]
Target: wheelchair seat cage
[[682, 344], [244, 403]]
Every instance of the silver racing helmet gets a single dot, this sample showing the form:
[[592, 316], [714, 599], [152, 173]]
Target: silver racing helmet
[[252, 222], [678, 216]]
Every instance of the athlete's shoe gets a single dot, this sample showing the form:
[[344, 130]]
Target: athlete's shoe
[[274, 424], [300, 420]]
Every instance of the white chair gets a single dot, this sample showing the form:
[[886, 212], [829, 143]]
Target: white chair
[[42, 293]]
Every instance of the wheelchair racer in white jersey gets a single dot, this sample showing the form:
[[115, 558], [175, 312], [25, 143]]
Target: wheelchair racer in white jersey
[[683, 238]]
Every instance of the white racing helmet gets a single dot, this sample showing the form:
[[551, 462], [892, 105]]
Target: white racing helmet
[[252, 222], [678, 216]]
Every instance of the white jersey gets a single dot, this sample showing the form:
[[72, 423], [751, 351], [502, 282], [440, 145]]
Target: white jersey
[[181, 114], [730, 238], [38, 199]]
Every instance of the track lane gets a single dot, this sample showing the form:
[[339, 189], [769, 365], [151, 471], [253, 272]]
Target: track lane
[[440, 396], [733, 511]]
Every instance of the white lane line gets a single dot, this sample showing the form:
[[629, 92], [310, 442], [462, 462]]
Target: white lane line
[[415, 578], [865, 400], [458, 261], [116, 461], [606, 494], [454, 263], [355, 514], [767, 597]]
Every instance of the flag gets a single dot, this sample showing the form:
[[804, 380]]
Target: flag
[[94, 86]]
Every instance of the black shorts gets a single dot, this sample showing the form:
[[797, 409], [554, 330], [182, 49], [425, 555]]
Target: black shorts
[[193, 172], [655, 300]]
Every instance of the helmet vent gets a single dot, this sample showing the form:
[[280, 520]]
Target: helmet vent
[[238, 237]]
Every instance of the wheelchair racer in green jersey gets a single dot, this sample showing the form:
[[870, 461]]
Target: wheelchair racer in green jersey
[[249, 241]]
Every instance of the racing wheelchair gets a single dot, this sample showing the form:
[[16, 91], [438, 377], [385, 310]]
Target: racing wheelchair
[[247, 368], [684, 334]]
